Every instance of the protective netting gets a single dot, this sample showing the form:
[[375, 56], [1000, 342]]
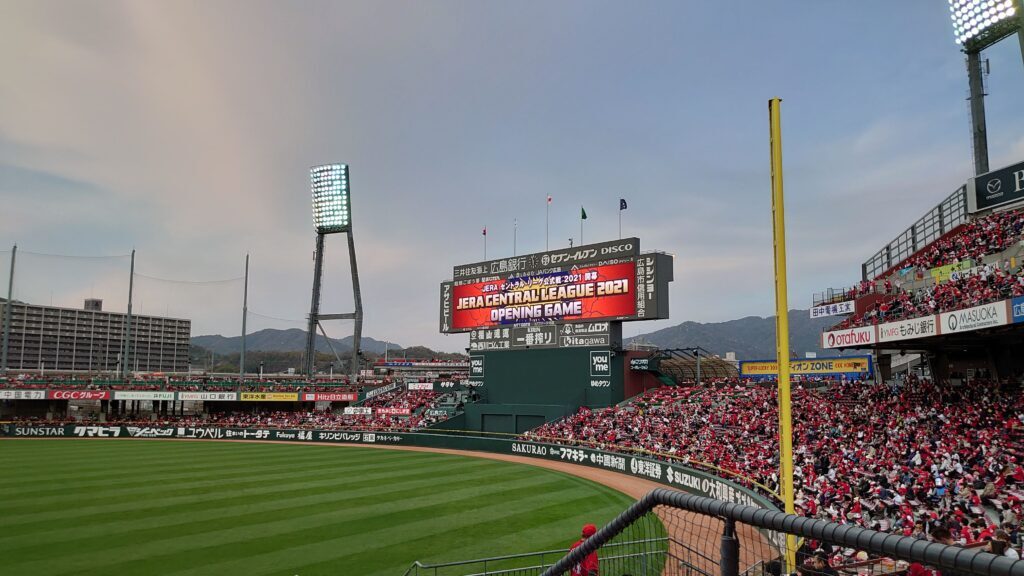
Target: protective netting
[[664, 541], [695, 545]]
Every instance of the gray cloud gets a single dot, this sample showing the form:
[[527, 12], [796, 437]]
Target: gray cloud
[[186, 129]]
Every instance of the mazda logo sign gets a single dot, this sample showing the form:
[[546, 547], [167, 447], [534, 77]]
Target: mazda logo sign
[[952, 322], [994, 186]]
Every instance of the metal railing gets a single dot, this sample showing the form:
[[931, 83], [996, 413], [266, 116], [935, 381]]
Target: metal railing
[[536, 562], [774, 524]]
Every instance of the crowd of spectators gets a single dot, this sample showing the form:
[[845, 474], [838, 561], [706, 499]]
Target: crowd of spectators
[[305, 420], [988, 284], [906, 458], [989, 235], [980, 284], [60, 382]]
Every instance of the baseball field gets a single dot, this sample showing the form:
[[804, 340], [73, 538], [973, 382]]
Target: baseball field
[[206, 508]]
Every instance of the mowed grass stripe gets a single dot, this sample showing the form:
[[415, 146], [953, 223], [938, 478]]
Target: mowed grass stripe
[[433, 504], [99, 452], [369, 549], [537, 526], [169, 484], [137, 506], [46, 476], [118, 556], [305, 502]]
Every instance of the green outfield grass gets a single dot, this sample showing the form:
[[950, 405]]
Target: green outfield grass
[[214, 508]]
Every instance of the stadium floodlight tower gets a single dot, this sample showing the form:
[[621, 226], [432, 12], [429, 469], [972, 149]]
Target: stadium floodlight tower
[[978, 24], [332, 214]]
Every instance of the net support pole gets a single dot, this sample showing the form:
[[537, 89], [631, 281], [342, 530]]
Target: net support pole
[[8, 312], [126, 362], [729, 561], [245, 313], [357, 296], [314, 307], [979, 132], [782, 324]]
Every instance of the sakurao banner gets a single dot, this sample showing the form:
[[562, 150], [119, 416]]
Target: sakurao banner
[[587, 293]]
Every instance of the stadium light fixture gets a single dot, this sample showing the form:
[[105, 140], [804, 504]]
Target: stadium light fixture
[[331, 205], [978, 24]]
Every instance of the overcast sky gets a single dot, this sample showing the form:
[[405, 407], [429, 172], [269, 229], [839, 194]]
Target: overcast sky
[[186, 130]]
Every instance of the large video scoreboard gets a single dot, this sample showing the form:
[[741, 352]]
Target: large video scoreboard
[[606, 282]]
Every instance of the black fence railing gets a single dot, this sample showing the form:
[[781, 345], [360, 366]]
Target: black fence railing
[[748, 540]]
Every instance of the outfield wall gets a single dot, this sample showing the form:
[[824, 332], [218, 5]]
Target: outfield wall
[[667, 473]]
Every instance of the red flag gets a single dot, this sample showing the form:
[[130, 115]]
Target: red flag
[[549, 199]]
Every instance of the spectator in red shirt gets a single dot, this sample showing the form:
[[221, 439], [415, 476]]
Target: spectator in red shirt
[[589, 565]]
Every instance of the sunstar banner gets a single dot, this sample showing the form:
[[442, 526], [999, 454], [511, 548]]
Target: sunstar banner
[[851, 337], [907, 329], [976, 318], [142, 395]]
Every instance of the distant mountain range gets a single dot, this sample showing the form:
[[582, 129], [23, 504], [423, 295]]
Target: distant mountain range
[[291, 340], [751, 338]]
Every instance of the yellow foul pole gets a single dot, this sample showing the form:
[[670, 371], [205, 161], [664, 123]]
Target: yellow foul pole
[[782, 325]]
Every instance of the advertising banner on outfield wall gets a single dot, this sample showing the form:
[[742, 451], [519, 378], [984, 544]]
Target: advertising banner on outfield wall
[[330, 396], [360, 410], [22, 394], [668, 473], [78, 394], [421, 385], [143, 395], [851, 337], [388, 411], [849, 366], [269, 397], [976, 318], [907, 329], [836, 309], [208, 396]]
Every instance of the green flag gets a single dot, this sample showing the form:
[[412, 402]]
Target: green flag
[[583, 213]]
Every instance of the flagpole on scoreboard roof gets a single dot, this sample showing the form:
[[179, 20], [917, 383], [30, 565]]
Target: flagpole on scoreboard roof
[[515, 234], [583, 216], [485, 242], [622, 206], [547, 224]]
